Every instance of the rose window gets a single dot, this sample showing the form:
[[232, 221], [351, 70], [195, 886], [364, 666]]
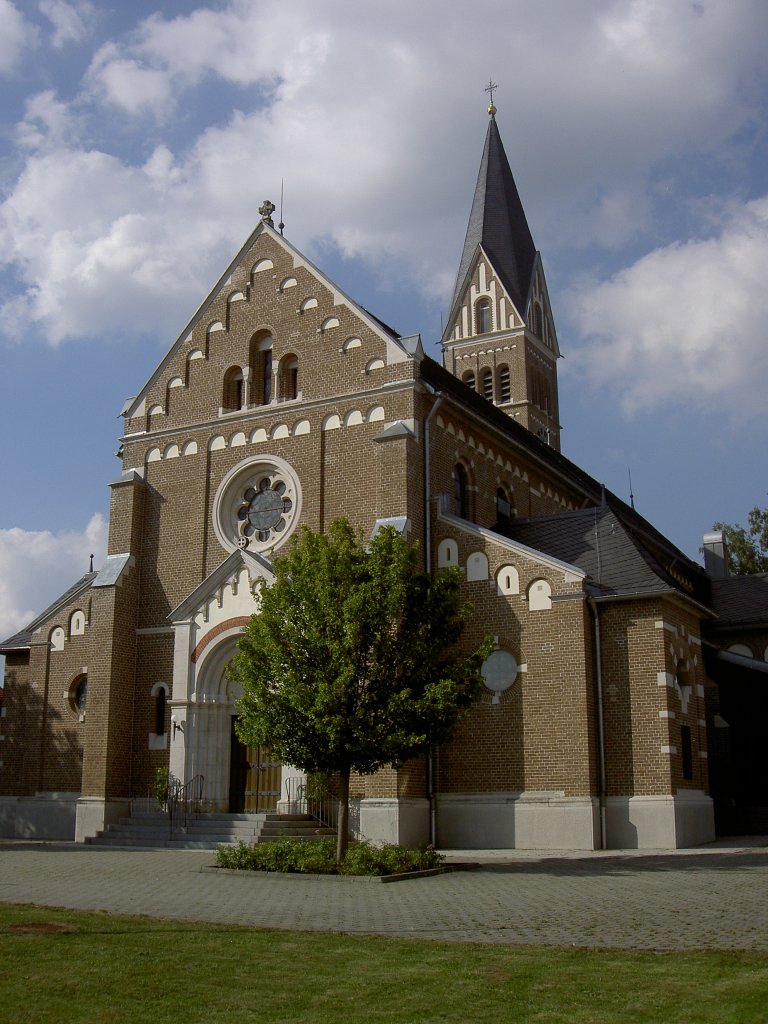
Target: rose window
[[257, 505], [263, 511]]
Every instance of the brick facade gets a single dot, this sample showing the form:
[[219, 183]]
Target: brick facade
[[600, 736]]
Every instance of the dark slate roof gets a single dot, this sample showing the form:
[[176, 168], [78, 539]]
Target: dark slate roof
[[497, 223], [741, 600], [443, 380], [21, 641], [666, 561], [595, 540]]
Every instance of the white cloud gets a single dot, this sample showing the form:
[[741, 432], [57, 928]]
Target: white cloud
[[129, 84], [38, 566], [685, 323], [47, 123], [69, 20], [375, 124], [16, 35]]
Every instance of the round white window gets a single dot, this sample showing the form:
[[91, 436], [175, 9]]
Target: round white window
[[257, 505], [499, 671]]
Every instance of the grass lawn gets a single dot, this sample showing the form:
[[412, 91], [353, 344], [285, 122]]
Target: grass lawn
[[61, 965]]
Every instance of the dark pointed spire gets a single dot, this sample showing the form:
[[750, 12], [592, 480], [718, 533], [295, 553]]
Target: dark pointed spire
[[497, 222]]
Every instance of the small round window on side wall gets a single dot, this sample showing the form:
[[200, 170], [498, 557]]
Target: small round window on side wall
[[78, 696], [499, 671]]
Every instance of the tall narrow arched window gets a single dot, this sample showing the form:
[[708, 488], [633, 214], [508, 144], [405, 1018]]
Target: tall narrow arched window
[[504, 388], [161, 702], [289, 378], [487, 380], [233, 391], [266, 376], [503, 506], [460, 491], [469, 379], [260, 361], [536, 320], [483, 323]]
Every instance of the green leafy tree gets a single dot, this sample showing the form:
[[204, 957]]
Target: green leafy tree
[[747, 548], [351, 663]]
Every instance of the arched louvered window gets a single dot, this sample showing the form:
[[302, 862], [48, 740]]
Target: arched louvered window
[[536, 320], [469, 379], [504, 384], [487, 380]]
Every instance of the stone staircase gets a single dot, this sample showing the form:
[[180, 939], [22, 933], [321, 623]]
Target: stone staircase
[[207, 831]]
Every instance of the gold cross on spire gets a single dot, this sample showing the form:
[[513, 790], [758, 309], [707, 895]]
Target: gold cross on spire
[[489, 89]]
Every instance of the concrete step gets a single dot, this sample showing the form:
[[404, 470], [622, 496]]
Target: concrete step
[[209, 830]]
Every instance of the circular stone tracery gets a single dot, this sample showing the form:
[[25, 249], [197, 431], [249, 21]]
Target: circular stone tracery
[[257, 504], [264, 509]]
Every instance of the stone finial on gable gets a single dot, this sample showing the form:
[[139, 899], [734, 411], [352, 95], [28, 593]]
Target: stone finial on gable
[[266, 210]]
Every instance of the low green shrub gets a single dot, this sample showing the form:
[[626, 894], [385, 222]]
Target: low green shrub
[[319, 858]]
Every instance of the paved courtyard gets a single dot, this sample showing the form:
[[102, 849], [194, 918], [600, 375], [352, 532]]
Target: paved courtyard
[[715, 898]]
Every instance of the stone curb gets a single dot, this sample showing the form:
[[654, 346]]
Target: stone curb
[[403, 876]]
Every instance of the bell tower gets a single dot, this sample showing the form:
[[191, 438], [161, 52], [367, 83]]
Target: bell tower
[[500, 334]]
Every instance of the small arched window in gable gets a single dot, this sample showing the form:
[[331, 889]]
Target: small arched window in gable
[[289, 378], [233, 393], [487, 382], [460, 491], [483, 317], [539, 596], [469, 379], [504, 384], [77, 623], [477, 566], [260, 364], [57, 639], [447, 553], [507, 580]]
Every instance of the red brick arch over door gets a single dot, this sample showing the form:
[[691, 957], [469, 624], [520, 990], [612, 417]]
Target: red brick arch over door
[[238, 620]]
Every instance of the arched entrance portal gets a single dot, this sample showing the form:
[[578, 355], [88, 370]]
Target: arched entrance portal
[[237, 778]]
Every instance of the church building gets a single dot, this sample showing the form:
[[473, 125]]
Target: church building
[[622, 704]]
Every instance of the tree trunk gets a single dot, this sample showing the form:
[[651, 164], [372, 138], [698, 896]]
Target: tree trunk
[[342, 840]]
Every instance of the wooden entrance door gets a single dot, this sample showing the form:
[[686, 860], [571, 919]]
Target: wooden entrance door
[[254, 778]]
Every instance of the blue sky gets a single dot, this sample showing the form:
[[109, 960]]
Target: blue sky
[[138, 141]]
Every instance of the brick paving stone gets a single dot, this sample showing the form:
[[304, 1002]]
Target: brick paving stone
[[672, 901]]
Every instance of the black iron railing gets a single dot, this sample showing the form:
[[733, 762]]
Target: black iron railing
[[313, 797], [184, 800]]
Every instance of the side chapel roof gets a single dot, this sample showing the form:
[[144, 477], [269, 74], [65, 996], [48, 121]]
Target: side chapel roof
[[22, 640], [619, 562]]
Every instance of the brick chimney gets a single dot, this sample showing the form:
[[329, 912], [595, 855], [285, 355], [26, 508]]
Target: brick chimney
[[716, 555]]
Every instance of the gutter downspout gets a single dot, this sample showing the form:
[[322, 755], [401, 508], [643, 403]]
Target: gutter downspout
[[600, 724], [428, 566]]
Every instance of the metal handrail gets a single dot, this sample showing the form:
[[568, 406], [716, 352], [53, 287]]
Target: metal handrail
[[309, 796], [184, 800]]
